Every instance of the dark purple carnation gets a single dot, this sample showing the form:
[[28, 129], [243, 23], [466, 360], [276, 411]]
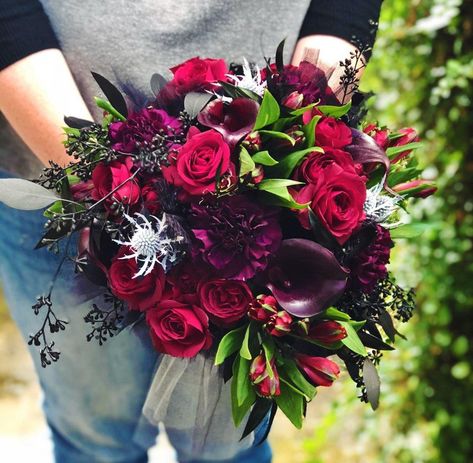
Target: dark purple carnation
[[140, 128], [308, 80], [370, 265], [235, 235]]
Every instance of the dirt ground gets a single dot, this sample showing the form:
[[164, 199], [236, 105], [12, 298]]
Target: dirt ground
[[23, 432]]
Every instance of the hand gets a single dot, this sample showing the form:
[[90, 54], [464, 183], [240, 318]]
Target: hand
[[327, 51]]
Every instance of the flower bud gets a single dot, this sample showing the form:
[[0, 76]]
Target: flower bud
[[257, 175], [379, 135], [320, 371], [279, 324], [259, 375], [252, 142], [409, 136], [262, 308], [294, 100], [327, 332], [419, 188]]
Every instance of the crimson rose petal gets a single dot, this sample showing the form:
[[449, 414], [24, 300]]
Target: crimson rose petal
[[306, 278]]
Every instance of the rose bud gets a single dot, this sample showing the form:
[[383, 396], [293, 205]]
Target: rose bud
[[279, 324], [319, 370], [252, 142], [380, 136], [259, 376], [262, 308], [419, 188], [327, 332], [294, 100], [409, 136]]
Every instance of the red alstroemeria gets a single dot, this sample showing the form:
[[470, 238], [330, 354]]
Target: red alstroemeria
[[319, 370], [327, 332], [263, 308], [265, 385], [279, 324]]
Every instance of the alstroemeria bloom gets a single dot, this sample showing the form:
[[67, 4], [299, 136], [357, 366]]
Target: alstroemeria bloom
[[319, 370]]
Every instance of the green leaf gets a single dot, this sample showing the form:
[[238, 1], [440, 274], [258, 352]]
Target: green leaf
[[54, 209], [289, 370], [71, 131], [284, 123], [276, 134], [394, 150], [334, 111], [245, 348], [334, 314], [264, 158], [269, 349], [309, 131], [281, 198], [286, 165], [107, 106], [291, 404], [353, 341], [246, 163], [229, 344], [402, 175], [242, 391], [268, 113], [357, 325], [301, 111], [277, 187], [273, 183], [410, 230]]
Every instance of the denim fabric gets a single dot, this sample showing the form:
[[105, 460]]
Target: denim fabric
[[94, 394]]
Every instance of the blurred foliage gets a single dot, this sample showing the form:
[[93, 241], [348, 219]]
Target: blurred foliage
[[422, 73]]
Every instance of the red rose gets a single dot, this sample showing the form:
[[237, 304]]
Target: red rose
[[337, 201], [312, 168], [139, 293], [226, 301], [179, 329], [106, 177], [331, 132], [198, 162], [198, 74]]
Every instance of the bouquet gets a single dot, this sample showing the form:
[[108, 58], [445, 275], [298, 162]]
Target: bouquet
[[247, 216]]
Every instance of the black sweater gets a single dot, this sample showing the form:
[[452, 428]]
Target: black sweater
[[25, 27]]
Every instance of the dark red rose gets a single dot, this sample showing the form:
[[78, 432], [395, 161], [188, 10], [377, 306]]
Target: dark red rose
[[320, 371], [198, 74], [327, 332], [226, 301], [332, 132], [198, 162], [150, 197], [179, 329], [82, 190], [139, 293], [106, 177], [337, 201], [312, 168], [185, 277]]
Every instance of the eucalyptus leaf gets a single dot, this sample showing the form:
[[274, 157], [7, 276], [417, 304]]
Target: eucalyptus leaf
[[372, 383], [194, 102], [25, 195]]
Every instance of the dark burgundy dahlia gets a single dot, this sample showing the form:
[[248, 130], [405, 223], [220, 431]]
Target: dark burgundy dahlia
[[140, 128], [235, 235], [370, 265]]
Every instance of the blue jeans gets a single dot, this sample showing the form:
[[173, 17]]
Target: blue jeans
[[94, 394]]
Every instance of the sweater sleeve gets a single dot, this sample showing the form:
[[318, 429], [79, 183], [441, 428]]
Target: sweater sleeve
[[24, 29], [354, 21]]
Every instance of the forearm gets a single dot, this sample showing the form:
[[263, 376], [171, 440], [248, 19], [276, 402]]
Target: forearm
[[36, 93]]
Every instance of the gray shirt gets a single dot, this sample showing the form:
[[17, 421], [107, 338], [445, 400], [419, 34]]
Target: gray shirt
[[129, 41]]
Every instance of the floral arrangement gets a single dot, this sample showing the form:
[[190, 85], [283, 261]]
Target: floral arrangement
[[242, 213]]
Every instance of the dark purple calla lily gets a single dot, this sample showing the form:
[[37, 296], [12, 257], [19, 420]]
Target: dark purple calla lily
[[305, 277], [365, 150], [233, 120]]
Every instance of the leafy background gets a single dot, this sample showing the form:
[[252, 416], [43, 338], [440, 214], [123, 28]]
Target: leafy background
[[422, 71]]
